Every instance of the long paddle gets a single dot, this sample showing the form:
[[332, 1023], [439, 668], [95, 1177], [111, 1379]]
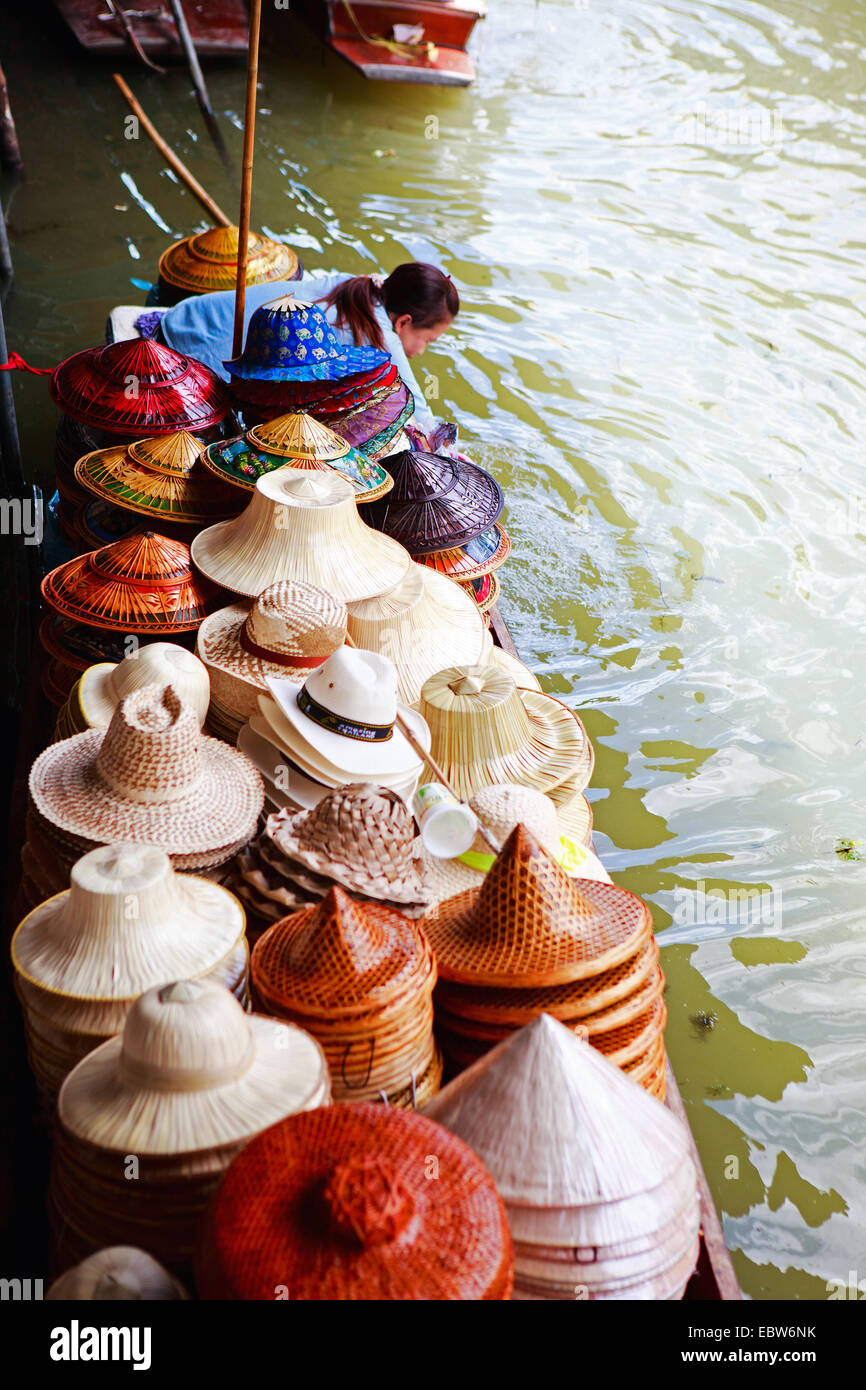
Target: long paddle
[[247, 176]]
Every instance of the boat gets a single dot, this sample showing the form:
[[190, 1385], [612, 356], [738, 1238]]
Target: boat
[[400, 40], [218, 28]]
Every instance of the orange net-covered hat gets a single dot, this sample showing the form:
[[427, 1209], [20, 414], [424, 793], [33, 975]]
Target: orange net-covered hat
[[209, 261], [355, 1202], [142, 583], [530, 924]]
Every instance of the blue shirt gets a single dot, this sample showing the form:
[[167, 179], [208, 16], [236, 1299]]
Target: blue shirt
[[203, 327]]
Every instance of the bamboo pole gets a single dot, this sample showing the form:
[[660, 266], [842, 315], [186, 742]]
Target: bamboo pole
[[171, 159], [188, 47], [10, 153], [247, 178]]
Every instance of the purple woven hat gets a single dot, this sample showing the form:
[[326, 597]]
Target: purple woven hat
[[436, 503]]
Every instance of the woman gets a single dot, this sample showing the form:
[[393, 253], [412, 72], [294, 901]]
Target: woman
[[403, 314]]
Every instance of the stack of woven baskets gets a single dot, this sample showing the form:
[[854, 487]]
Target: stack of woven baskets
[[359, 977], [149, 1121], [597, 1177], [360, 837], [531, 940], [126, 923]]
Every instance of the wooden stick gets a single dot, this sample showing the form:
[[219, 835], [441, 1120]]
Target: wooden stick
[[171, 159], [247, 177], [130, 35], [188, 47]]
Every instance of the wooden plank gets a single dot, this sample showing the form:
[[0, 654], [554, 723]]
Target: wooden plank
[[217, 27]]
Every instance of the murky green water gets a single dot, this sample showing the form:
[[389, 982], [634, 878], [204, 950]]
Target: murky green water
[[655, 215]]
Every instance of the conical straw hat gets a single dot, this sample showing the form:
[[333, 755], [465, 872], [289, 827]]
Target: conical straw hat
[[142, 583], [523, 678], [560, 1128], [290, 340], [240, 462], [361, 836], [437, 502], [530, 924], [208, 262], [158, 478], [287, 631], [420, 624], [120, 1273], [191, 1071], [127, 922], [336, 1205], [151, 776], [302, 526], [484, 592], [340, 957], [480, 556], [104, 685], [485, 730], [299, 436], [139, 388]]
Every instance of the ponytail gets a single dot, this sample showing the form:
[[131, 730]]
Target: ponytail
[[414, 288]]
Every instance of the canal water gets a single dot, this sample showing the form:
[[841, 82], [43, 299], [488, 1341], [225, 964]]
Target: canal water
[[655, 218]]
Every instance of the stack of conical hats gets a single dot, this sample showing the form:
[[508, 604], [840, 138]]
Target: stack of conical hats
[[532, 940], [295, 441], [597, 1177], [359, 836], [127, 922], [160, 479], [360, 977], [208, 261], [356, 1202], [150, 1120]]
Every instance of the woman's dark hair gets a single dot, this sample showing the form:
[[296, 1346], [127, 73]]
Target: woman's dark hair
[[414, 288]]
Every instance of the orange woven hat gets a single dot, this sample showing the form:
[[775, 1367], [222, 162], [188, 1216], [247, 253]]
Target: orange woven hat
[[208, 262], [160, 477], [340, 1204], [530, 924], [152, 776], [143, 583]]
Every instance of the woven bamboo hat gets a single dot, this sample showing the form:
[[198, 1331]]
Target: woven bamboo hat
[[524, 679], [103, 686], [142, 583], [473, 560], [139, 388], [291, 628], [336, 1204], [530, 924], [580, 1155], [126, 923], [302, 526], [485, 730], [152, 776], [208, 261], [361, 836], [343, 717], [437, 502], [190, 1071], [160, 477], [297, 441], [290, 340], [420, 624], [119, 1274]]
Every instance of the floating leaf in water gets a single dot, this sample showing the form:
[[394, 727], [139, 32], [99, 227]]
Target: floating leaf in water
[[847, 849]]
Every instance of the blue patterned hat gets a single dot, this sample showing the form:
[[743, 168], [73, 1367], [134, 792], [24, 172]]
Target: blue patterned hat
[[288, 340]]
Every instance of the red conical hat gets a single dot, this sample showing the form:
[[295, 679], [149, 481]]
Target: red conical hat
[[138, 387], [142, 583]]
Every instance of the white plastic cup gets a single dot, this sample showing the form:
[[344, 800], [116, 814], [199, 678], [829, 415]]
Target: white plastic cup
[[447, 826]]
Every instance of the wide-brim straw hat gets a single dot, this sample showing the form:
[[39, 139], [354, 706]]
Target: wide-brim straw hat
[[118, 1274], [143, 583], [293, 758], [530, 924], [290, 340], [486, 730], [336, 1205], [421, 624], [191, 1071], [151, 775], [208, 261], [286, 632], [172, 392], [302, 526], [160, 478], [240, 462], [103, 685], [475, 559], [437, 503], [127, 922], [362, 837]]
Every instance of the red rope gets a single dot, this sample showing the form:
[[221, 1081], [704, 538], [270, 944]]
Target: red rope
[[16, 363]]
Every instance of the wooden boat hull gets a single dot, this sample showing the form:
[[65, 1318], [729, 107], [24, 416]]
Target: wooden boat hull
[[446, 25], [217, 27]]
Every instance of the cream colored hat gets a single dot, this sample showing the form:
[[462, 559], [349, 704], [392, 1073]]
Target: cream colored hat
[[291, 628], [523, 677], [285, 783], [302, 526], [485, 730], [191, 1071], [102, 687], [119, 1273], [421, 624]]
